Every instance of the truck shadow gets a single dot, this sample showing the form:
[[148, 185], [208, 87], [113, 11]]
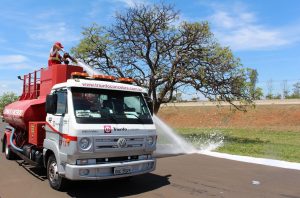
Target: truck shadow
[[117, 187], [39, 173], [105, 188]]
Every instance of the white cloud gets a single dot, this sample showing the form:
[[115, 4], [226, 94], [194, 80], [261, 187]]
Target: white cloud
[[240, 29], [9, 59], [14, 86], [15, 67], [251, 38], [46, 15], [229, 20], [131, 3], [16, 62], [52, 32], [95, 9]]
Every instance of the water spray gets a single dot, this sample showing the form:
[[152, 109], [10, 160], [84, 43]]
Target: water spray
[[90, 70], [170, 143]]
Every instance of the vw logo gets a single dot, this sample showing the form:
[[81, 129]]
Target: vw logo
[[122, 143]]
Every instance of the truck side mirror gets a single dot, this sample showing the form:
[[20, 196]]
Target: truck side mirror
[[149, 103], [51, 103]]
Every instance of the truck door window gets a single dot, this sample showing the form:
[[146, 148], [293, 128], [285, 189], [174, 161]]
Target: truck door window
[[61, 102]]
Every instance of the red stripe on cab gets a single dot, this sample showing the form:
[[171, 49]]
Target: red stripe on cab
[[65, 136]]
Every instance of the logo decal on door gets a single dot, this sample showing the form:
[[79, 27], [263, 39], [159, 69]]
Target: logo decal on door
[[107, 129]]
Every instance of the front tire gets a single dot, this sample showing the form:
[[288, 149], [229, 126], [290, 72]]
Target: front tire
[[56, 181]]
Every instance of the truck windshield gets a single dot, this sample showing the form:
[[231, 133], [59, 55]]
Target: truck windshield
[[94, 106]]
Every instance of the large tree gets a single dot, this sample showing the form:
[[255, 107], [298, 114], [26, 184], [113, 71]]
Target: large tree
[[151, 45], [256, 93]]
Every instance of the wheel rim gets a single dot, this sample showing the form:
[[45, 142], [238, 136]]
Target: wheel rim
[[53, 176], [6, 149]]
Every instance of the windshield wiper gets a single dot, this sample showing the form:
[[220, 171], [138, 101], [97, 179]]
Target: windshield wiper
[[139, 119]]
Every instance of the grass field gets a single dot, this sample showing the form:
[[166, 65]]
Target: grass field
[[266, 131], [279, 145]]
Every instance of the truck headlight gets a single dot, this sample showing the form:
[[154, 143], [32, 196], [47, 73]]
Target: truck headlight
[[150, 140], [85, 143]]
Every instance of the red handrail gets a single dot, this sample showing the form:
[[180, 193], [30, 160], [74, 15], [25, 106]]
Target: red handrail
[[31, 86]]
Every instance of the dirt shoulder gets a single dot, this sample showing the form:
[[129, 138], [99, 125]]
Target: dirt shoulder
[[274, 117]]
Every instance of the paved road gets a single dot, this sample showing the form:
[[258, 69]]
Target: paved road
[[180, 176]]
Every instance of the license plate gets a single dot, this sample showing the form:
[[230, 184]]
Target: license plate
[[122, 170]]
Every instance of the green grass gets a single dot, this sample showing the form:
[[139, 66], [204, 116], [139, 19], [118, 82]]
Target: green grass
[[266, 143]]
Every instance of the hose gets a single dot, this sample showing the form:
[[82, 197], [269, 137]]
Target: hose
[[90, 70], [11, 138]]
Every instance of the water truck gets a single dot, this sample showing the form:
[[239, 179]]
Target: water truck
[[80, 126]]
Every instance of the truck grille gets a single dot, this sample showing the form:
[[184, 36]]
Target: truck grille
[[111, 143], [116, 159]]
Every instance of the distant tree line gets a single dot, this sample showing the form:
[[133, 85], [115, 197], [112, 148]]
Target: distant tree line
[[5, 99], [256, 92], [285, 91]]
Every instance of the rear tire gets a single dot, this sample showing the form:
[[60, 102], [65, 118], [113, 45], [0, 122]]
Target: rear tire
[[56, 181], [9, 154]]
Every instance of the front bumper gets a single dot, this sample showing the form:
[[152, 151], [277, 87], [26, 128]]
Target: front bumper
[[106, 171]]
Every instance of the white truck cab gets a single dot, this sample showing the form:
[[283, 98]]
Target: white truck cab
[[97, 130]]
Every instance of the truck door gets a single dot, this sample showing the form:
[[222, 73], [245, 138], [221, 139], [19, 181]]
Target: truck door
[[59, 119]]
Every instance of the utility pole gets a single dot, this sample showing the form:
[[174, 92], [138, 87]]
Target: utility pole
[[270, 89], [285, 89]]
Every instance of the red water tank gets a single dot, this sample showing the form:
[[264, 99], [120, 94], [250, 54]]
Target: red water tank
[[20, 113], [31, 105]]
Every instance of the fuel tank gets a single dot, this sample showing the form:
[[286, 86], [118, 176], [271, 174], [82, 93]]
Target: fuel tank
[[19, 113]]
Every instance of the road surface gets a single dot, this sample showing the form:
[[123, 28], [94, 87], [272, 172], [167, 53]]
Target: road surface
[[179, 176]]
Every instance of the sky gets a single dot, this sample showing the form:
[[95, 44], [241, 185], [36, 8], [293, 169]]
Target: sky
[[265, 35]]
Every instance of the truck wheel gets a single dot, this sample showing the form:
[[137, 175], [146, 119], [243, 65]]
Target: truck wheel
[[56, 181], [9, 154]]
